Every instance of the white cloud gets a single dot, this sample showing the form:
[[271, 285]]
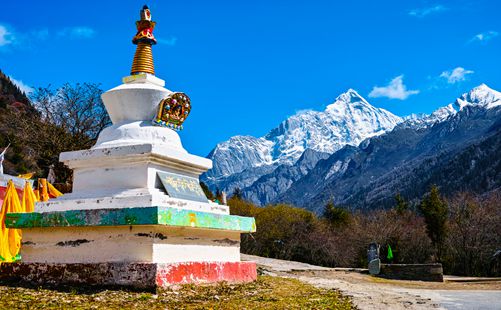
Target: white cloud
[[6, 36], [422, 12], [171, 41], [80, 32], [9, 37], [23, 87], [456, 75], [394, 90], [484, 36], [12, 38]]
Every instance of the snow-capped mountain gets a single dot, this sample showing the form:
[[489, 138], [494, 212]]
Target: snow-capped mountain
[[299, 159], [456, 151], [241, 160], [481, 95], [419, 121]]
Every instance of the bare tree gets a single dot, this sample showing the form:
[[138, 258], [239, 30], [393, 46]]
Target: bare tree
[[77, 109]]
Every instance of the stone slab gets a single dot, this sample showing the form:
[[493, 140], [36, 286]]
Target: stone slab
[[375, 266], [418, 272], [132, 216], [124, 200], [147, 276]]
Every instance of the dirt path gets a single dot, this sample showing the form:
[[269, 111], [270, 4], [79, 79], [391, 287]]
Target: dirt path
[[369, 292]]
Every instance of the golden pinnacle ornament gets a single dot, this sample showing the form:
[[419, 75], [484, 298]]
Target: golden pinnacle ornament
[[144, 39]]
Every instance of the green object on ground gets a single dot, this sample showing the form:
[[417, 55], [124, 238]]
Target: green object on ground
[[390, 253]]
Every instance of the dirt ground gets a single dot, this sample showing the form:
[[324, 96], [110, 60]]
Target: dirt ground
[[370, 292]]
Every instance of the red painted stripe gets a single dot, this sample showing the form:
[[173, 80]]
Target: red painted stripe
[[205, 272]]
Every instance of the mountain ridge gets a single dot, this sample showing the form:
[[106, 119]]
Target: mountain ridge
[[269, 181], [408, 160], [348, 120]]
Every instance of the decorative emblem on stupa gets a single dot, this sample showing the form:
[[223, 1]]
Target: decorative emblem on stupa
[[173, 111], [144, 39]]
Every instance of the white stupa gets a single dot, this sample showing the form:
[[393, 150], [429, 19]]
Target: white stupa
[[137, 215]]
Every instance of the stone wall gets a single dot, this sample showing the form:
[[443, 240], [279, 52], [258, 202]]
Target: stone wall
[[420, 272]]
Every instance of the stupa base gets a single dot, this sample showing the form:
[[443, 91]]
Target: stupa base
[[144, 276], [140, 248]]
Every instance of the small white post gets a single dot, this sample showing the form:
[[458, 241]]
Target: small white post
[[2, 157], [223, 194]]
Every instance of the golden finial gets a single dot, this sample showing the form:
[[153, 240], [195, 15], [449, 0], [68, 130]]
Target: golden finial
[[144, 39]]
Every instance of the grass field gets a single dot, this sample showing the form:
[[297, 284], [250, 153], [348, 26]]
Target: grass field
[[266, 293]]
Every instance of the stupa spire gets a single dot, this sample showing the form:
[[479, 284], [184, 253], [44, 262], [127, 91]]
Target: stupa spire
[[144, 39]]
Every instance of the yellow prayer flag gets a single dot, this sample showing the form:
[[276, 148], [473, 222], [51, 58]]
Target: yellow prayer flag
[[43, 191], [53, 192], [29, 198], [10, 239], [26, 175]]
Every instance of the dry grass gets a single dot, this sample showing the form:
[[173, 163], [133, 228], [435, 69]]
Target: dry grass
[[266, 293]]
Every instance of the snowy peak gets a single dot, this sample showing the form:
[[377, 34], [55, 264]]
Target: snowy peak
[[421, 120], [415, 117], [481, 95], [441, 114], [350, 96], [240, 153], [348, 101], [347, 121], [351, 109]]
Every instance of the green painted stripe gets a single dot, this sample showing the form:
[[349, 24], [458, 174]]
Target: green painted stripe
[[131, 216]]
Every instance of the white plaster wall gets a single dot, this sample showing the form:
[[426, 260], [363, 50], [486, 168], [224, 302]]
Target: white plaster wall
[[138, 132], [157, 244], [126, 176]]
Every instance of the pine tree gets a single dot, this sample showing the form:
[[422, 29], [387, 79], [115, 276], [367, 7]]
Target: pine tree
[[219, 195], [237, 193], [207, 191], [435, 212], [335, 216], [401, 204]]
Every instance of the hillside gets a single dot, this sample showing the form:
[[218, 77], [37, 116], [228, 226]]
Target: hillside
[[456, 153], [73, 115], [15, 107]]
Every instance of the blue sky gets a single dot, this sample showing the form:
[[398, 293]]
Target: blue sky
[[248, 65]]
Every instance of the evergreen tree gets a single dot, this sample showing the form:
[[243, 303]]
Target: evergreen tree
[[435, 212], [335, 216], [237, 193], [219, 195], [207, 191], [401, 204]]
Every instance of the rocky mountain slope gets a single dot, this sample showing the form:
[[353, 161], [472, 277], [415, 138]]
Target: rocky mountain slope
[[455, 149], [242, 160], [358, 155]]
